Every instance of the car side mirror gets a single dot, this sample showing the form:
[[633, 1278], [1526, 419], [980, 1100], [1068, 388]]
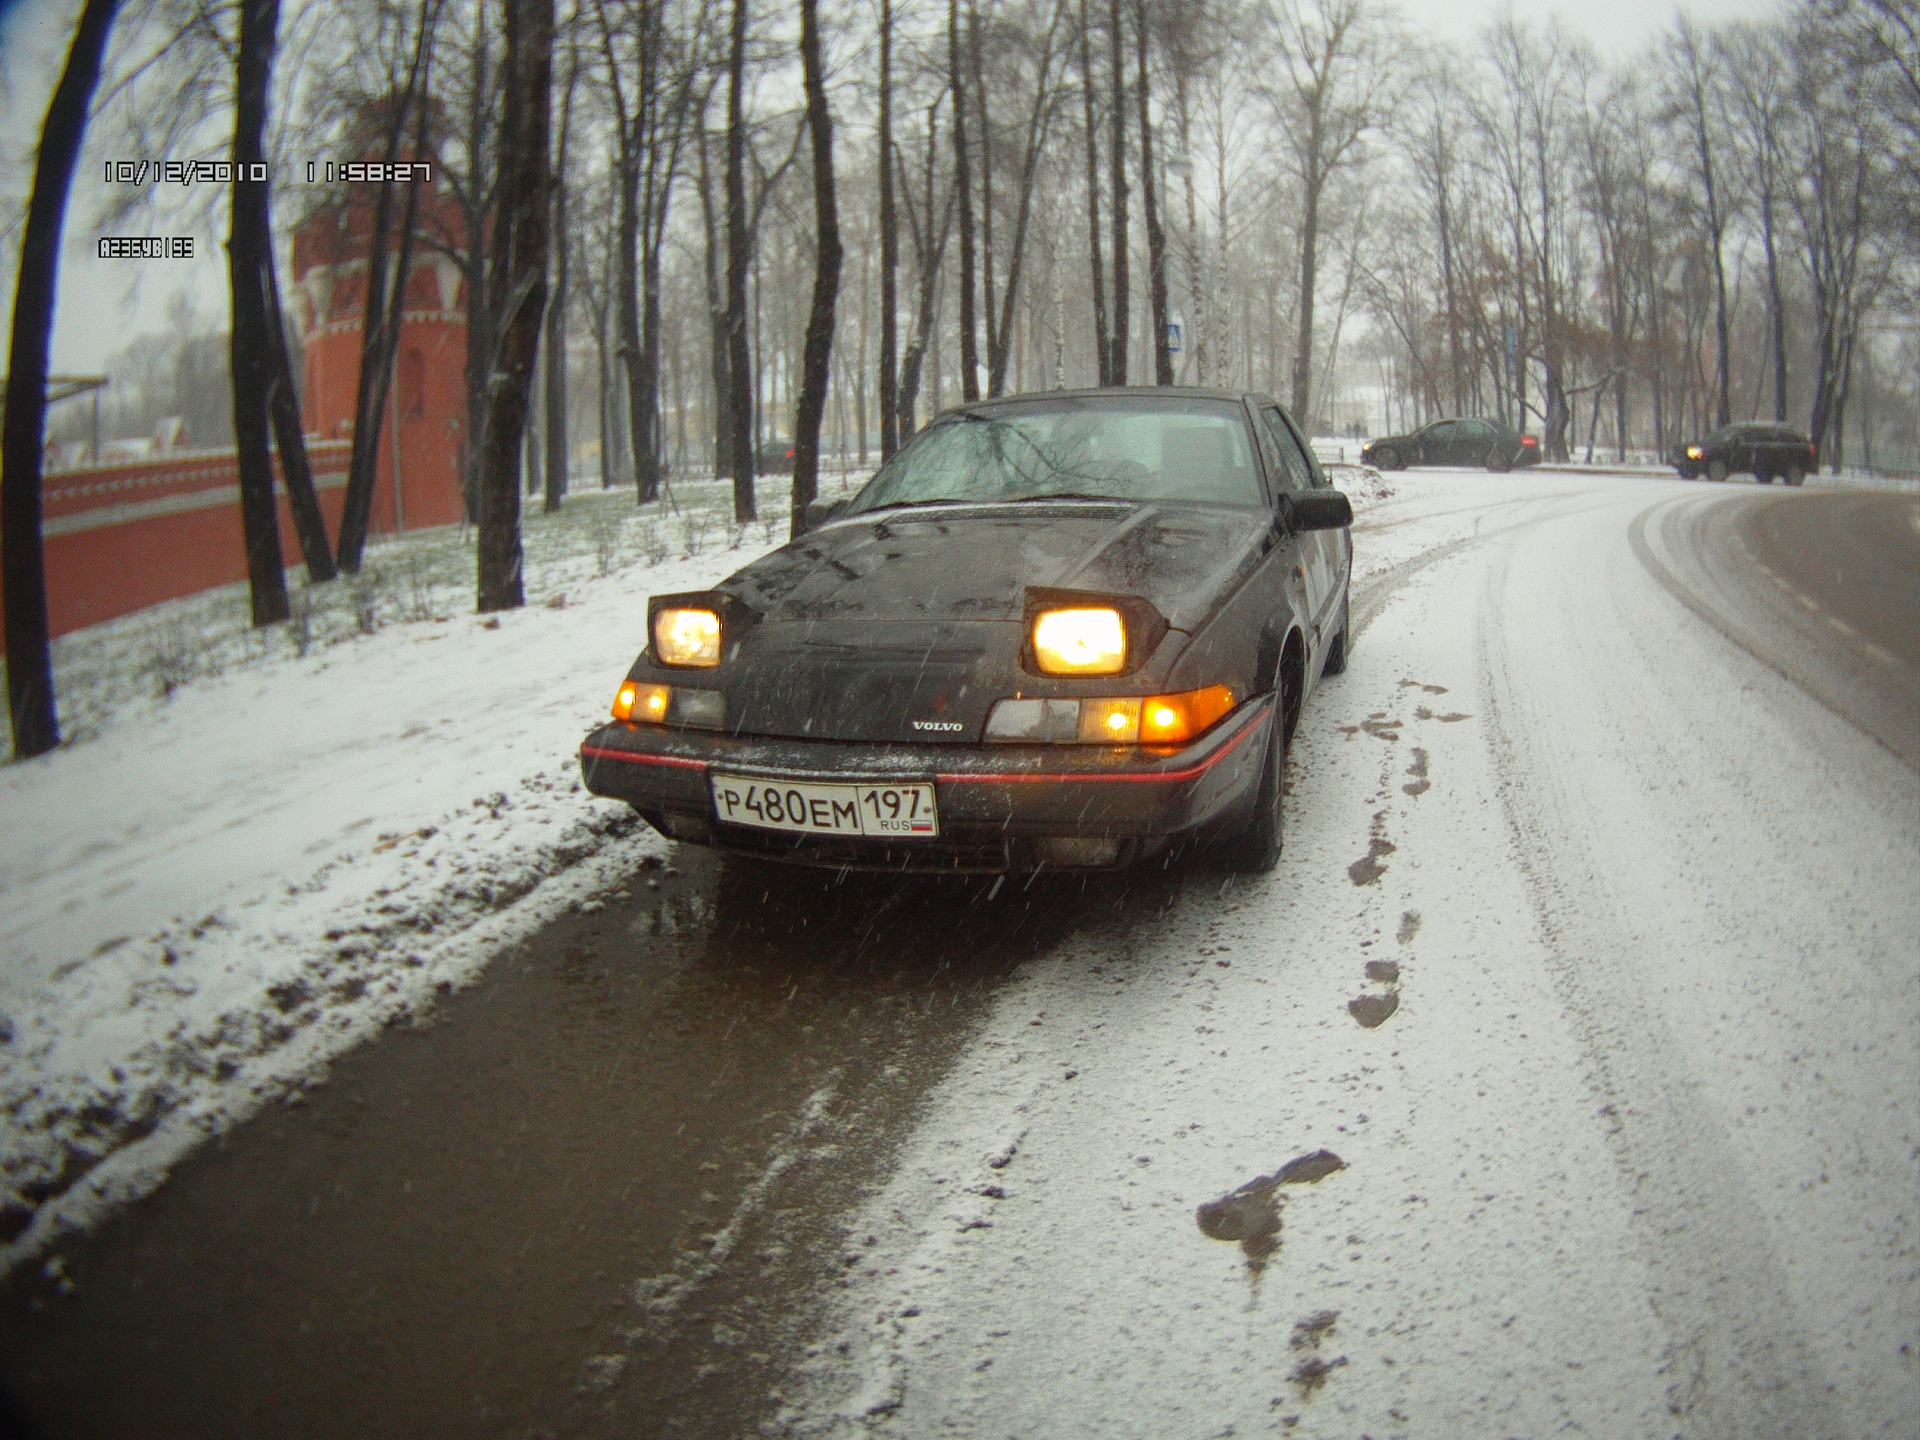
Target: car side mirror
[[1320, 510], [819, 512]]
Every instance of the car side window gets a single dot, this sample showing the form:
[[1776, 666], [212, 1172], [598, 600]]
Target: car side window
[[1296, 470]]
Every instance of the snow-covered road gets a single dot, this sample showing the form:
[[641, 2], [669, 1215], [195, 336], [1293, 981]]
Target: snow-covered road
[[1637, 1151], [1564, 1077]]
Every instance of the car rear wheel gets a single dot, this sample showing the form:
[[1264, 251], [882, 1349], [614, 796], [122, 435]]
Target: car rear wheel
[[1763, 477], [1795, 475], [1387, 458], [1498, 460], [1716, 470]]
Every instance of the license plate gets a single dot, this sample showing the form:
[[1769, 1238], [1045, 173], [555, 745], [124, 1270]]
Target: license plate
[[896, 812]]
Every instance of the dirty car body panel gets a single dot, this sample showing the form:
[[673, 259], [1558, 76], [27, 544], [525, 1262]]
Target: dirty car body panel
[[861, 664]]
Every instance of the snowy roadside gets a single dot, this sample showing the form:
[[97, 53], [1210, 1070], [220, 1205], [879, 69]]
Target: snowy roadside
[[266, 851], [256, 852]]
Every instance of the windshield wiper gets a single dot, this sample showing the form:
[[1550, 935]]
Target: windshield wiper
[[1071, 495]]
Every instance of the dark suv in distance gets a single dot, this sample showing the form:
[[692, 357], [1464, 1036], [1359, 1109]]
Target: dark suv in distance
[[1764, 449], [1473, 440]]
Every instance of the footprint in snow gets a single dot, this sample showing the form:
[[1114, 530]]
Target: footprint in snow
[[1251, 1214]]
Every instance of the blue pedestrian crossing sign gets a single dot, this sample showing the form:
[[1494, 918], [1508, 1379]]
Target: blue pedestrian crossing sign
[[1173, 335]]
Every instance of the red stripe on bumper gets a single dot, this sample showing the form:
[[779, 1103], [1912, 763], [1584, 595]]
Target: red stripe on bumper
[[600, 752]]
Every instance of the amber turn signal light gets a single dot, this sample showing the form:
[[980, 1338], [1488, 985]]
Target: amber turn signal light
[[1172, 719]]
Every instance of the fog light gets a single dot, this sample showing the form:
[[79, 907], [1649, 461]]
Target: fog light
[[1075, 850], [702, 709], [641, 702], [1034, 720], [1110, 722]]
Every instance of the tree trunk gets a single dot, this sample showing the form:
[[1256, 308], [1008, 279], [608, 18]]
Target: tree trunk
[[381, 312], [1150, 208], [1309, 280], [1117, 356], [739, 363], [977, 61], [963, 181], [30, 699], [283, 405], [248, 253], [1102, 336], [719, 371], [818, 358], [556, 343], [520, 290], [889, 255]]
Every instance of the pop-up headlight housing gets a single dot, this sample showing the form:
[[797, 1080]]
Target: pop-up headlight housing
[[686, 635], [1081, 632]]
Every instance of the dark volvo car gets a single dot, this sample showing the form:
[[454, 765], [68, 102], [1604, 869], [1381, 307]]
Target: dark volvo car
[[1760, 448], [1470, 441], [1064, 630]]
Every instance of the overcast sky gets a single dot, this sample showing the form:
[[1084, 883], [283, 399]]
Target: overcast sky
[[104, 303]]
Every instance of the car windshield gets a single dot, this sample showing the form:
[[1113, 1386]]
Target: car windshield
[[1107, 448]]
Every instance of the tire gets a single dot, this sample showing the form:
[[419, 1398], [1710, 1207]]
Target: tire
[[1256, 849], [1717, 470], [1499, 461], [1386, 459], [1762, 477], [1336, 661], [1795, 475]]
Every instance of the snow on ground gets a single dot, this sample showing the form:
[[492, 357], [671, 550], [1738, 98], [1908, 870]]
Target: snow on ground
[[255, 852], [1590, 958]]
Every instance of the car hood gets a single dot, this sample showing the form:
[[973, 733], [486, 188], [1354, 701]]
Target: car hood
[[906, 626], [975, 562]]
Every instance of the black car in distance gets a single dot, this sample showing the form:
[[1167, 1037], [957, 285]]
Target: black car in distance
[[1068, 630], [1473, 440], [1764, 449]]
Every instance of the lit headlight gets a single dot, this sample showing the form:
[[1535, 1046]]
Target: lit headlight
[[1694, 452], [670, 705], [1080, 642], [686, 637]]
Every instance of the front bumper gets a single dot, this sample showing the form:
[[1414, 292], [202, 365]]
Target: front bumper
[[998, 804]]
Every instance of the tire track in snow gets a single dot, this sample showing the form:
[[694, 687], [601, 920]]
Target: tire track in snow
[[1378, 590], [1737, 1363]]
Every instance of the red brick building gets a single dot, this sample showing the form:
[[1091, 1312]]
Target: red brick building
[[123, 536]]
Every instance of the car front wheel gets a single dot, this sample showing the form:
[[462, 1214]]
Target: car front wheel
[[1256, 849], [1387, 458], [1336, 661]]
